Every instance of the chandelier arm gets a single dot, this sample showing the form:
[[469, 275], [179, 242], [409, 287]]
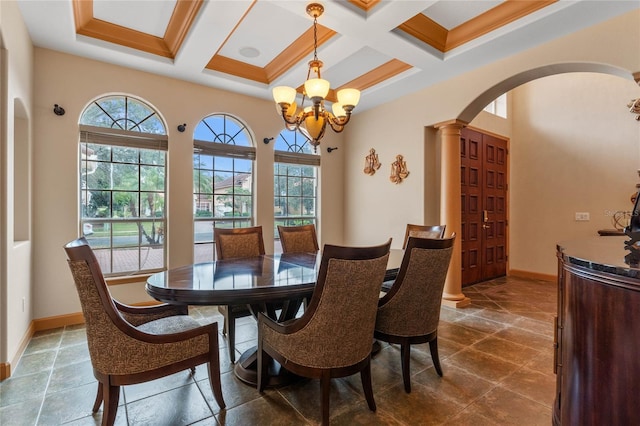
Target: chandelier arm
[[338, 123], [297, 119], [336, 127]]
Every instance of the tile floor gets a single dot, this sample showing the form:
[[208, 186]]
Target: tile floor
[[496, 355]]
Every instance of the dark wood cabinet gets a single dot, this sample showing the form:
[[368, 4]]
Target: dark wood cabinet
[[597, 356]]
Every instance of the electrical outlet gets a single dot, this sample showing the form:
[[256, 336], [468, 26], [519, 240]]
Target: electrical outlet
[[24, 302], [582, 216]]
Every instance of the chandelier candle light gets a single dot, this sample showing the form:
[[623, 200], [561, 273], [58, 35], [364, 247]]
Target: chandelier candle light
[[315, 117]]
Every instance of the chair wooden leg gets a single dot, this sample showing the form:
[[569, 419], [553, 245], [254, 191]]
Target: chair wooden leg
[[98, 403], [405, 355], [433, 347], [111, 396], [325, 383], [263, 361], [214, 381], [365, 377]]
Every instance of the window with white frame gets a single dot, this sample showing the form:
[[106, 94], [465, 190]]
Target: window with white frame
[[498, 106], [122, 152], [223, 155], [295, 182]]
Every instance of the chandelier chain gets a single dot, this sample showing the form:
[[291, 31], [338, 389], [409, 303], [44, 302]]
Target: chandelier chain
[[315, 38]]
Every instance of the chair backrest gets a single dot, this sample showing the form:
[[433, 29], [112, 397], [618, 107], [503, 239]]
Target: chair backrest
[[340, 317], [423, 231], [102, 320], [412, 305], [298, 239], [233, 243]]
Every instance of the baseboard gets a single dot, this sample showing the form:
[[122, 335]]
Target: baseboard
[[5, 370], [533, 275], [58, 321], [48, 323]]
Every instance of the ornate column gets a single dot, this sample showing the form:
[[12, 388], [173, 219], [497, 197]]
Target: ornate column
[[451, 209]]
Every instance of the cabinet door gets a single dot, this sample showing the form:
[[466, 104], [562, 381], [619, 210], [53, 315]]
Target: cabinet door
[[557, 341], [600, 345]]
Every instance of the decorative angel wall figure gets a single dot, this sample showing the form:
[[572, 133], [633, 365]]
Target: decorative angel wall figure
[[399, 170], [371, 163]]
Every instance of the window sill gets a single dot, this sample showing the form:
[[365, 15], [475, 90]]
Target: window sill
[[130, 279]]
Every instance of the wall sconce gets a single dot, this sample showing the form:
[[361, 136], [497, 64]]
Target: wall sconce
[[182, 127], [58, 110], [329, 149], [267, 140]]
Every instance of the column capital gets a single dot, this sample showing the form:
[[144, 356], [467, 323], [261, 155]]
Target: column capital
[[455, 123]]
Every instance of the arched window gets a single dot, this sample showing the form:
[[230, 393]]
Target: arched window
[[295, 174], [498, 106], [223, 155], [123, 146]]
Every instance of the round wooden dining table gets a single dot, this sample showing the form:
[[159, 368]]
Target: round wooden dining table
[[262, 283]]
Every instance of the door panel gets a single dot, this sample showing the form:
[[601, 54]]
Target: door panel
[[494, 194], [484, 206], [471, 185]]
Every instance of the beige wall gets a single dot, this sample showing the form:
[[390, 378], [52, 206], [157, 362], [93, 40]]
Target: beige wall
[[376, 209], [575, 148], [16, 80]]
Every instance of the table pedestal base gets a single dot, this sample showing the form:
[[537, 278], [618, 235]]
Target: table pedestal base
[[246, 369]]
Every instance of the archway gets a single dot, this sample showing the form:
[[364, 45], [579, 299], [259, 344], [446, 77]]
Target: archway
[[449, 136]]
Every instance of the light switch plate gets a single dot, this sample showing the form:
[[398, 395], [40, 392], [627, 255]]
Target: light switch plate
[[582, 216]]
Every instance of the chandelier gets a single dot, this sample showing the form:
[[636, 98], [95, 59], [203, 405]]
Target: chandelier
[[315, 117]]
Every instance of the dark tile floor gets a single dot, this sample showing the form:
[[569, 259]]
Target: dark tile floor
[[497, 358]]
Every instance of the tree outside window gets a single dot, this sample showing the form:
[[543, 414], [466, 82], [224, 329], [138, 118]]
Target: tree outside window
[[122, 184]]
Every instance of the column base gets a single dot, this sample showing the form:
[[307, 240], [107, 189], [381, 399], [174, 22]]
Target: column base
[[457, 303]]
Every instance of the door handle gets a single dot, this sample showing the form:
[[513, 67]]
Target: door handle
[[485, 219]]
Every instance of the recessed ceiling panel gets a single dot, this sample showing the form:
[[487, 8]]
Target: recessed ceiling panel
[[450, 14], [361, 62], [266, 30], [149, 17]]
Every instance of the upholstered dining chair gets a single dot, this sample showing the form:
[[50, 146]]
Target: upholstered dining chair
[[128, 344], [419, 231], [298, 239], [410, 311], [333, 336], [423, 231], [234, 243]]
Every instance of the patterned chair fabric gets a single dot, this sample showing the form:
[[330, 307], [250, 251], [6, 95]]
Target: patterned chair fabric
[[298, 239], [423, 231], [418, 231], [231, 244], [333, 337], [129, 345], [409, 313]]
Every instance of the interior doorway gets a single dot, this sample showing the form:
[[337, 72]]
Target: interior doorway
[[484, 206]]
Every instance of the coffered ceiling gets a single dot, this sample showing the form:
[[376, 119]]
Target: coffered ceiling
[[384, 48]]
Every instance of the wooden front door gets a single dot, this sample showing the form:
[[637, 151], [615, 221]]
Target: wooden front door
[[484, 206]]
